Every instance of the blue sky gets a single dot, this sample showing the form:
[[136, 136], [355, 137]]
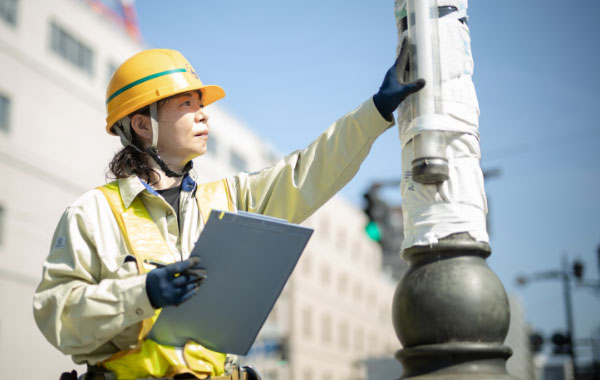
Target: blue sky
[[291, 68]]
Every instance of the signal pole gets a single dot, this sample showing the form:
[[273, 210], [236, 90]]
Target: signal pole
[[564, 275], [569, 312]]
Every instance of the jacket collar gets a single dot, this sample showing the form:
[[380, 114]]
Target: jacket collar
[[132, 186]]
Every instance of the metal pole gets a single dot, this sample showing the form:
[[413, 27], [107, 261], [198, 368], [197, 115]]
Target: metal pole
[[569, 312]]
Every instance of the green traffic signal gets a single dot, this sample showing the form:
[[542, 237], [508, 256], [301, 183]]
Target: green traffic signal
[[373, 231]]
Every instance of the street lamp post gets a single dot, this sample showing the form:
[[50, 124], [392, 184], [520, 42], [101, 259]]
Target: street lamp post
[[569, 311], [564, 275]]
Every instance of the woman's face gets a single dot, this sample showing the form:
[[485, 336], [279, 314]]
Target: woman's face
[[183, 128]]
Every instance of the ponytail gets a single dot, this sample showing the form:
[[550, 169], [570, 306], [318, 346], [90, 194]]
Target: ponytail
[[129, 161]]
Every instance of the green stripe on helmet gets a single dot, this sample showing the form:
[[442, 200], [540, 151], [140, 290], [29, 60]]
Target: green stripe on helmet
[[142, 80]]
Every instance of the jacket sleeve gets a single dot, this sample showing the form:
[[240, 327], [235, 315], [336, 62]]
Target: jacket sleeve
[[304, 180], [75, 310]]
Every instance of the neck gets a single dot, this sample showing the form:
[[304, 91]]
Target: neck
[[165, 182], [160, 180]]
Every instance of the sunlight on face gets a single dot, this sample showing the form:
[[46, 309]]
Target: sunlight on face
[[183, 127]]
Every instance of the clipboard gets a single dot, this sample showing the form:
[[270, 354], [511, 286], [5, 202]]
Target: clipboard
[[249, 258]]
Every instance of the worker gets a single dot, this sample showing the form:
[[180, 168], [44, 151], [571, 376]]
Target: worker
[[121, 252]]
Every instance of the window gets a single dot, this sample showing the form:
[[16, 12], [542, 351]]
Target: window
[[111, 67], [356, 250], [342, 284], [307, 374], [2, 224], [324, 226], [358, 292], [325, 274], [325, 328], [343, 335], [359, 340], [4, 113], [341, 239], [373, 343], [306, 268], [372, 299], [71, 49], [307, 322], [237, 161], [8, 11]]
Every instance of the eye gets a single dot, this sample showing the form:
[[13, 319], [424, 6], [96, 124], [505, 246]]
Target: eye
[[186, 103]]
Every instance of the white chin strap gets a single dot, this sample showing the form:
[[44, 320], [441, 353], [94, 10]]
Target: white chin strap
[[123, 129], [154, 122]]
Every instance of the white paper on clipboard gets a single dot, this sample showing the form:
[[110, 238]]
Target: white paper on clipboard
[[248, 258]]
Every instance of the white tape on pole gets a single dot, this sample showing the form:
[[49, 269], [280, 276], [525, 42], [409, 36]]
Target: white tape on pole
[[457, 205]]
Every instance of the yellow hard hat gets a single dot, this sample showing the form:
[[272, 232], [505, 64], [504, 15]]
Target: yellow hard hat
[[148, 77]]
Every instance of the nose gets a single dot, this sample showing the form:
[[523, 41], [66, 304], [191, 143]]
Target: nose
[[201, 116]]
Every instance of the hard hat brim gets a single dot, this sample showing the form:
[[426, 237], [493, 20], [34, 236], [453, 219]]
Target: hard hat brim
[[210, 94]]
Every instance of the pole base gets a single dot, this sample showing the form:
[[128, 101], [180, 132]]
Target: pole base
[[455, 361], [451, 313]]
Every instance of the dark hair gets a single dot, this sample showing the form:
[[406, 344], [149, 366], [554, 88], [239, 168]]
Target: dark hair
[[130, 161]]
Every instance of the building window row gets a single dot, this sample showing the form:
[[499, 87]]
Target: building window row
[[344, 333], [343, 245], [236, 160], [2, 224], [343, 286], [70, 48], [4, 113], [8, 11]]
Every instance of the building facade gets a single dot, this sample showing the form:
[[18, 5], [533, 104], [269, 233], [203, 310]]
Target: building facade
[[335, 312], [53, 147]]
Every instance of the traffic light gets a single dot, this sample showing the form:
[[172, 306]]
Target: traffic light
[[536, 342], [282, 350], [376, 211], [578, 270], [562, 344]]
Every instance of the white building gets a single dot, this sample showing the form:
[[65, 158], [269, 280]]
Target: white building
[[56, 58], [520, 364], [52, 83], [335, 311]]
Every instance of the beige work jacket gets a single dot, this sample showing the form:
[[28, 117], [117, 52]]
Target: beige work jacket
[[91, 299]]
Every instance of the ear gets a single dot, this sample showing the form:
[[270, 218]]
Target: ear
[[142, 127]]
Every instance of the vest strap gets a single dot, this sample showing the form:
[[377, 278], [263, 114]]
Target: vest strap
[[144, 241]]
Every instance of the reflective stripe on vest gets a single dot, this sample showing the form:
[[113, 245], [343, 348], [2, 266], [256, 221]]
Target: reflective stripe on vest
[[144, 241]]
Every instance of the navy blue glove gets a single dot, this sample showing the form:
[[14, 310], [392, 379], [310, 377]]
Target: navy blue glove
[[175, 283], [394, 88]]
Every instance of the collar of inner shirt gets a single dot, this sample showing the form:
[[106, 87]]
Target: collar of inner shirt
[[187, 184]]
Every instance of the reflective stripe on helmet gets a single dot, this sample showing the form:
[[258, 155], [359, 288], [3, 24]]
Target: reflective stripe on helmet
[[142, 80]]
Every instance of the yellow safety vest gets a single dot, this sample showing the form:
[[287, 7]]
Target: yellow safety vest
[[144, 240]]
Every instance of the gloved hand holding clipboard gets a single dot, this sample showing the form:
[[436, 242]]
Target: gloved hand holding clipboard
[[248, 258]]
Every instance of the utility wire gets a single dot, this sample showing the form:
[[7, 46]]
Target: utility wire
[[541, 144]]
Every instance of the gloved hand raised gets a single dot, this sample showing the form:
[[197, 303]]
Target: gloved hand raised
[[394, 88], [175, 283]]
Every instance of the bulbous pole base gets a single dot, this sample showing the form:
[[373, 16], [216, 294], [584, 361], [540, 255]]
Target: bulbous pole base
[[451, 313]]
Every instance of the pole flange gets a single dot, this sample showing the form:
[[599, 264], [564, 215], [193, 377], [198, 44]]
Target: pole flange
[[451, 313]]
